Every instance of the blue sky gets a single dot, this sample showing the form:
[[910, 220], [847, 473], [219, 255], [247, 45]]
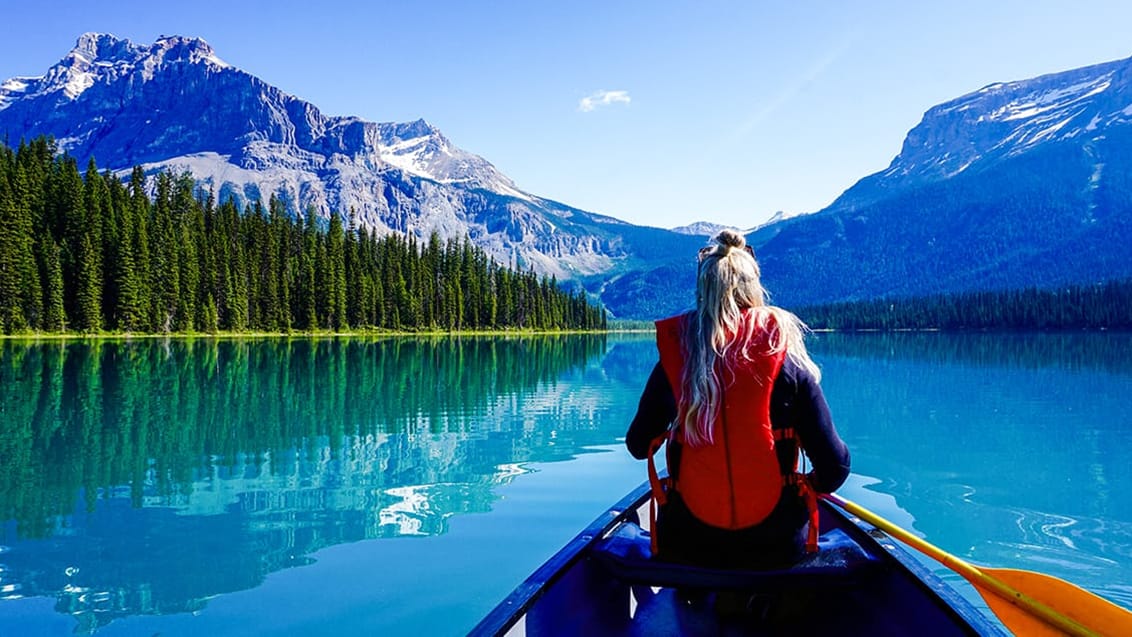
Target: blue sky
[[659, 113]]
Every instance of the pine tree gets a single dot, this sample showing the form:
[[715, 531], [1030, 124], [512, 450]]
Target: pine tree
[[209, 247], [64, 216], [125, 299], [336, 273], [188, 230], [88, 305], [237, 271], [138, 234], [11, 314], [210, 318], [166, 292], [306, 314], [54, 316], [357, 283], [280, 284], [321, 276], [88, 252]]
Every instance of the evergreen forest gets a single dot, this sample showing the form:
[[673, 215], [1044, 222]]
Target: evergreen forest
[[91, 253], [1105, 305]]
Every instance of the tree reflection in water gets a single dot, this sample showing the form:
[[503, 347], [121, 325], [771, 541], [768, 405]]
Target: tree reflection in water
[[146, 476]]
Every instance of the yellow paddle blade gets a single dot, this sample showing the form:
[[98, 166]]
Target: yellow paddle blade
[[1095, 613]]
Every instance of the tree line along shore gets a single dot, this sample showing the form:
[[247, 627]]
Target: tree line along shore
[[90, 253], [94, 255]]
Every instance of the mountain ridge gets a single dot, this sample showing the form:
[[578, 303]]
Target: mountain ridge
[[175, 105], [1015, 184]]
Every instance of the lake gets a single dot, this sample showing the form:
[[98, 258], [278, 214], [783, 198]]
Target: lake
[[390, 486]]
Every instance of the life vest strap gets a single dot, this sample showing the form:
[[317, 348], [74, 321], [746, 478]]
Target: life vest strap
[[786, 433], [659, 489], [810, 496]]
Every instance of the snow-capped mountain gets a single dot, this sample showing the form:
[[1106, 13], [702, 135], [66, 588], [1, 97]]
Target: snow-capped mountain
[[1018, 184], [176, 105], [709, 229], [775, 218], [1006, 120], [700, 228]]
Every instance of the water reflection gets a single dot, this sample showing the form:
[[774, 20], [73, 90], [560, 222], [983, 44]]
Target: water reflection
[[1008, 449], [145, 477]]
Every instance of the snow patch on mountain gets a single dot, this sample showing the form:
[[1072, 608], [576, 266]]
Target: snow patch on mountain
[[1042, 101], [1008, 119], [701, 229], [420, 149], [775, 218], [710, 229]]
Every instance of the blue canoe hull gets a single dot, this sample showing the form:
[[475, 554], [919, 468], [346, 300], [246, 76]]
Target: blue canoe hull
[[861, 583]]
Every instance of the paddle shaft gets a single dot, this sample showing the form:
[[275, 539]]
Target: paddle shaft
[[967, 570]]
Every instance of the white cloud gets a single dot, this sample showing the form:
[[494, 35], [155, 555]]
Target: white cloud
[[602, 98]]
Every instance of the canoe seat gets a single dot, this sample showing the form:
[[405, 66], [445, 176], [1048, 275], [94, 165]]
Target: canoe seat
[[625, 554]]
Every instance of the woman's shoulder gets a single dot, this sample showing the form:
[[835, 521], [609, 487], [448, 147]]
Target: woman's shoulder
[[796, 375]]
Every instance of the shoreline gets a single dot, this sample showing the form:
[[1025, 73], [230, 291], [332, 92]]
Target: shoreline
[[126, 336], [111, 336]]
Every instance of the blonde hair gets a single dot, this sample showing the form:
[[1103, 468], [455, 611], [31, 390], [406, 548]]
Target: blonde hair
[[731, 318]]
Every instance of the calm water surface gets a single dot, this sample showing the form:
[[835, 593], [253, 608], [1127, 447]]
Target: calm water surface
[[404, 486]]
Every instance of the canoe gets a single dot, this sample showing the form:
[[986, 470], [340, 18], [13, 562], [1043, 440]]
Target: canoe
[[860, 582]]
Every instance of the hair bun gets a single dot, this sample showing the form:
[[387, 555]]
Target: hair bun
[[731, 239]]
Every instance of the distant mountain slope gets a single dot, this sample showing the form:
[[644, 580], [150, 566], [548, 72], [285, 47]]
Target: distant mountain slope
[[176, 105], [1018, 184], [700, 228]]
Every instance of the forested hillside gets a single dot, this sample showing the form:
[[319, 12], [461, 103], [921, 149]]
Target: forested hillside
[[1101, 306], [90, 253]]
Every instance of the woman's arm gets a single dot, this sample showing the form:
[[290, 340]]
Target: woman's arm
[[818, 436], [655, 411]]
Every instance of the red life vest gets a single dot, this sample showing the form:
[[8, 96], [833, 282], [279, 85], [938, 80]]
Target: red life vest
[[734, 482]]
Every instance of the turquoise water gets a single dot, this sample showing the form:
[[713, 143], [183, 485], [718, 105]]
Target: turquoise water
[[404, 486]]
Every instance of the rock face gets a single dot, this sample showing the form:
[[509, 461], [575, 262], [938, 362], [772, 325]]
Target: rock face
[[175, 105]]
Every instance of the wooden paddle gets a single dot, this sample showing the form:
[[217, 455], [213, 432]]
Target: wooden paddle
[[1028, 603]]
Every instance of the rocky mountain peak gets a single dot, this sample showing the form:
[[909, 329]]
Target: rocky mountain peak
[[176, 48], [409, 130], [93, 47]]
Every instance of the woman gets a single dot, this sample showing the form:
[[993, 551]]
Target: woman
[[736, 396]]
